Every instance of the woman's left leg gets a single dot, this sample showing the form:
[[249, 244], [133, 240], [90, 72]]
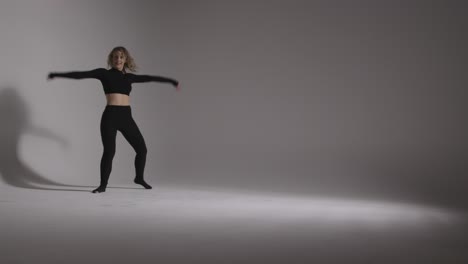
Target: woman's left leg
[[132, 134]]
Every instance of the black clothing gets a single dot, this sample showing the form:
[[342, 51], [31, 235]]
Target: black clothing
[[113, 80], [119, 118]]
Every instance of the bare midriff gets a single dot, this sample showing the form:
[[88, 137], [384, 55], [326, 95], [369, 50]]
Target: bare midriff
[[117, 99]]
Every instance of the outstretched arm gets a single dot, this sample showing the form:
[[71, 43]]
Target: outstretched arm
[[134, 78], [95, 74]]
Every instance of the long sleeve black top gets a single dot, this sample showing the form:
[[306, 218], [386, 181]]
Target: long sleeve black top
[[113, 80]]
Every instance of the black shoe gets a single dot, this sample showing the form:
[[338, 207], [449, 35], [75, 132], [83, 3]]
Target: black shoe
[[100, 189], [143, 183]]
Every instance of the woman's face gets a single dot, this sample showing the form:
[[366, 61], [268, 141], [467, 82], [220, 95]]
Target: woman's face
[[118, 60]]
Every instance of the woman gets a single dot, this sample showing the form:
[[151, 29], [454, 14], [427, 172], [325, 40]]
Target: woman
[[117, 115]]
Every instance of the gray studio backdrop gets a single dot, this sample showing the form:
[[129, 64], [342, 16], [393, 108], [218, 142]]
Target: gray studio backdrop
[[363, 99]]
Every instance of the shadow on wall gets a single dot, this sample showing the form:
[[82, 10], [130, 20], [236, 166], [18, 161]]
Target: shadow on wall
[[15, 121]]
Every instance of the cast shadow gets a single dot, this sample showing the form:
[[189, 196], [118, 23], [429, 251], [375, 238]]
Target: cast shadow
[[15, 121]]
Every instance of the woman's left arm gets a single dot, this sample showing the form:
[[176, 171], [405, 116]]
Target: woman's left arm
[[134, 78]]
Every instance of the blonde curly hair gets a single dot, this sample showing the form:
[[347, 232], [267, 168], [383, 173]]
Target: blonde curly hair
[[129, 61]]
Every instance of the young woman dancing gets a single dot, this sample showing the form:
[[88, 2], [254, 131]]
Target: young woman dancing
[[117, 115]]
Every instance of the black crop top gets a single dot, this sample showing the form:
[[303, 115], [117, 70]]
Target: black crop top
[[113, 80]]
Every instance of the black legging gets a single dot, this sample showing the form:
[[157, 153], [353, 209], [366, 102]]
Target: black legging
[[120, 118]]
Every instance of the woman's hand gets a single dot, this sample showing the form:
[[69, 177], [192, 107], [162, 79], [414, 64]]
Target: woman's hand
[[50, 76], [176, 85]]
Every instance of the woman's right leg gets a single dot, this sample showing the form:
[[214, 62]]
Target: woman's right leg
[[108, 135]]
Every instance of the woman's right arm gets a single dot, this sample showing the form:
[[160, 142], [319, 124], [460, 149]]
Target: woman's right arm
[[93, 74]]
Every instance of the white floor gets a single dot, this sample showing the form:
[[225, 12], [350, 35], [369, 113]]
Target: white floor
[[170, 224]]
